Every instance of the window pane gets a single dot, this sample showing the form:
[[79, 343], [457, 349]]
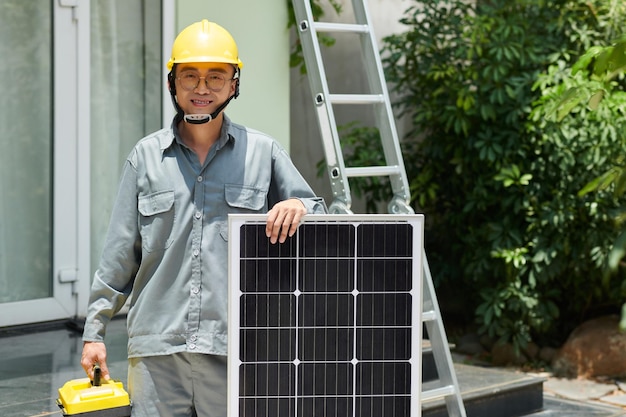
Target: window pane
[[25, 160]]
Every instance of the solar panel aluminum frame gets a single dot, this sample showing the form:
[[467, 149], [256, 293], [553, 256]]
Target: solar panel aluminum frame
[[377, 404]]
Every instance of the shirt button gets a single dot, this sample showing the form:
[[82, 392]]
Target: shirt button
[[196, 252], [192, 346], [193, 338], [198, 214], [200, 178], [195, 290]]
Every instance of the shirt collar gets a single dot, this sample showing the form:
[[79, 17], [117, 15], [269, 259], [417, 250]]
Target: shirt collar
[[225, 135]]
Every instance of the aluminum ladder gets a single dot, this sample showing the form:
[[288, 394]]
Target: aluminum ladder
[[447, 387]]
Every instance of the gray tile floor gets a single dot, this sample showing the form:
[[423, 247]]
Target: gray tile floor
[[34, 365]]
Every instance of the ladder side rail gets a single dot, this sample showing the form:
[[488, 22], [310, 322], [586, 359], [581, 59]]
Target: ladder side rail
[[439, 344], [384, 113], [323, 108]]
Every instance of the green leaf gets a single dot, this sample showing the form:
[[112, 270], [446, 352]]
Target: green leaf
[[620, 182], [622, 322], [601, 182], [618, 251], [584, 61], [595, 99], [568, 101], [603, 60]]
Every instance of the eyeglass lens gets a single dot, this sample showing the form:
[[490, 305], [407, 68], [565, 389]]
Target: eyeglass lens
[[191, 80]]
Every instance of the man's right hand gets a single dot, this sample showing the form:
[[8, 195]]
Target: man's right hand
[[95, 353]]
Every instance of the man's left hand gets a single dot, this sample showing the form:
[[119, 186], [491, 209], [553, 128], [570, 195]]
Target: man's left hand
[[283, 219]]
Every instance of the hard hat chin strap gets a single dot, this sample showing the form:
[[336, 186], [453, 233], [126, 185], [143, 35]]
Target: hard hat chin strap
[[198, 119]]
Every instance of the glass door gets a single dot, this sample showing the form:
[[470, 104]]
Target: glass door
[[82, 82], [40, 212]]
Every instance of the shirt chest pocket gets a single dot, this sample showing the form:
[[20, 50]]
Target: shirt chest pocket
[[245, 199], [156, 220]]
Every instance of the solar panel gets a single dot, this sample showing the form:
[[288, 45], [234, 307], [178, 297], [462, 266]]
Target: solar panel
[[329, 322]]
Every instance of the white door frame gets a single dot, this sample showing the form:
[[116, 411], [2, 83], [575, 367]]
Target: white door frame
[[72, 207], [168, 34]]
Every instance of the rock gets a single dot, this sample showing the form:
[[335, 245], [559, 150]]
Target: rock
[[487, 342], [595, 348], [531, 351], [469, 344], [547, 354], [504, 354]]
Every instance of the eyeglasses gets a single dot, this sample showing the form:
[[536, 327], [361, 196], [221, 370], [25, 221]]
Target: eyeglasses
[[214, 81]]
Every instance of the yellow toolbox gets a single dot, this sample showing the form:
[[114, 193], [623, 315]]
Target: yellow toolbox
[[84, 398]]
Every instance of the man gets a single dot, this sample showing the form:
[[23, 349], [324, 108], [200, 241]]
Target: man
[[166, 245]]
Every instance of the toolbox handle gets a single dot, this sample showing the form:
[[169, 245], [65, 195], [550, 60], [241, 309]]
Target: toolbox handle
[[97, 373]]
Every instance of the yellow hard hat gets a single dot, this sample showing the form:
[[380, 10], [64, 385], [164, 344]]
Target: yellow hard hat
[[204, 42]]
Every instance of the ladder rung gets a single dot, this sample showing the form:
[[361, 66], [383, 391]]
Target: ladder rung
[[356, 98], [429, 315], [376, 171], [437, 393], [340, 27]]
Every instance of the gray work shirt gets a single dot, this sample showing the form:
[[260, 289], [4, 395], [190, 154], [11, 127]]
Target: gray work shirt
[[166, 246]]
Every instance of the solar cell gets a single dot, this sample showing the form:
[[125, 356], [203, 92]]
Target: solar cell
[[329, 322]]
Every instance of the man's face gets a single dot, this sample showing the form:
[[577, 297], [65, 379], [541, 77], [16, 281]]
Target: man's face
[[201, 87]]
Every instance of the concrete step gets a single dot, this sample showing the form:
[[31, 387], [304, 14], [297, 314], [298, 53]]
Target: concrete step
[[498, 392], [490, 392]]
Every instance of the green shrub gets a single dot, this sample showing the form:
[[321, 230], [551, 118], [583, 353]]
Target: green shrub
[[592, 82], [497, 179]]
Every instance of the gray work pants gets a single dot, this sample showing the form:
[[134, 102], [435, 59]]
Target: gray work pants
[[179, 385]]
